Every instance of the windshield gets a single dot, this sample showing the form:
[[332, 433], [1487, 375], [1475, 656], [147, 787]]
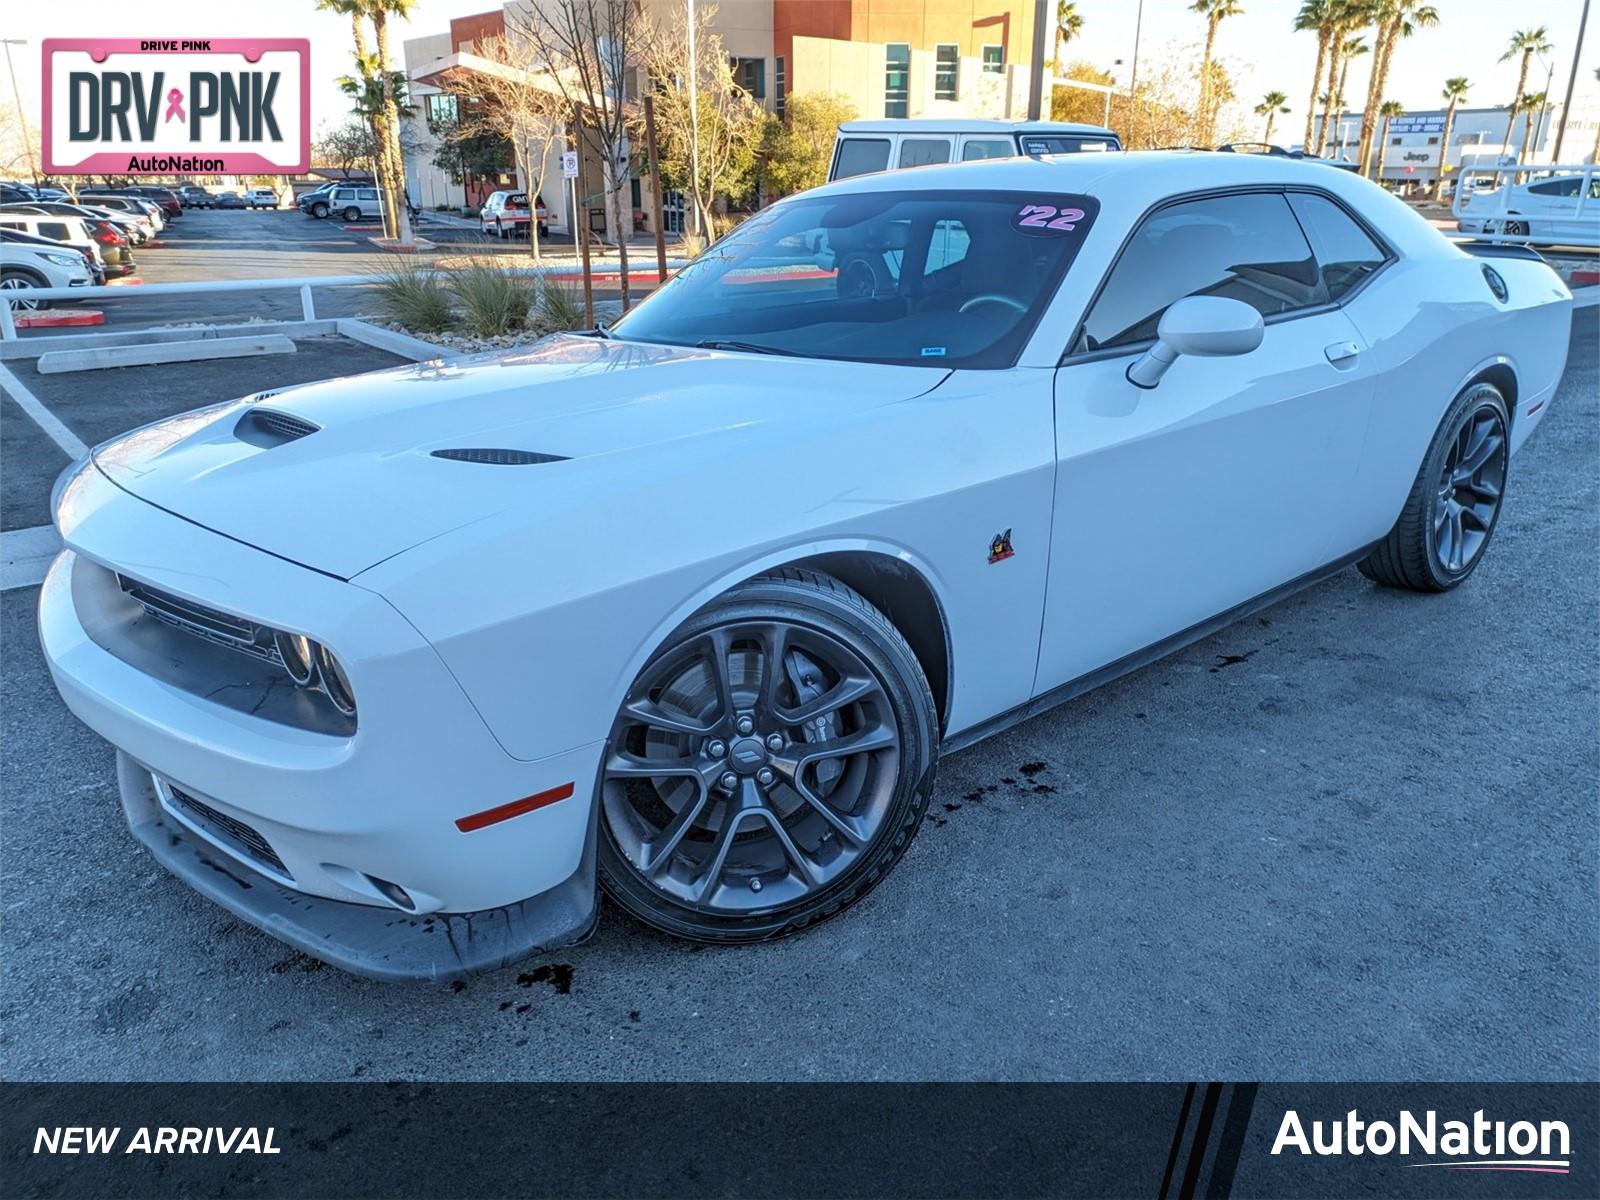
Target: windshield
[[948, 278]]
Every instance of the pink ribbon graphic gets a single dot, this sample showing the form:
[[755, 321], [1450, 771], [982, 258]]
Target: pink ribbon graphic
[[175, 105]]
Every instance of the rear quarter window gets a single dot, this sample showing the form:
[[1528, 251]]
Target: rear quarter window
[[1346, 252], [861, 156]]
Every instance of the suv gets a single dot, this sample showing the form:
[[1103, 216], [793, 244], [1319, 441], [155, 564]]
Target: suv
[[164, 196], [262, 197], [352, 202], [69, 231], [507, 212], [25, 265], [863, 147]]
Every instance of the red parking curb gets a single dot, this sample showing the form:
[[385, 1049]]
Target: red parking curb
[[157, 244], [362, 228], [47, 320], [125, 281], [1585, 278]]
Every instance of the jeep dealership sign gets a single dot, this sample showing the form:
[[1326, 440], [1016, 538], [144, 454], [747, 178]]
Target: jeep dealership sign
[[130, 106]]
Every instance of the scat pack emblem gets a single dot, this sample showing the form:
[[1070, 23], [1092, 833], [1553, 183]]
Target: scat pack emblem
[[1000, 548]]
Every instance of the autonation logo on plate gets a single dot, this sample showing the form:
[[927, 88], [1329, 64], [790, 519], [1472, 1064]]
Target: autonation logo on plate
[[130, 106]]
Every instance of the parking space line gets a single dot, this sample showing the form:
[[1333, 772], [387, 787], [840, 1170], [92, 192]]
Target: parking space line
[[25, 556], [42, 416]]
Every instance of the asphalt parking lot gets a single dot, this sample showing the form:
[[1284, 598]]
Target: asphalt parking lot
[[1352, 838], [223, 244]]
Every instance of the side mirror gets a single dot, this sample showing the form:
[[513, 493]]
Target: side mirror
[[1204, 326]]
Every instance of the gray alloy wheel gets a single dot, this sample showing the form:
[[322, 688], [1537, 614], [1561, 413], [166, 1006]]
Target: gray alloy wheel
[[319, 209], [1455, 502], [352, 214], [768, 765], [14, 281]]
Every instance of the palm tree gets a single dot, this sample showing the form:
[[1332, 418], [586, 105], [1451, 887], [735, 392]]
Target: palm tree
[[1527, 43], [1069, 24], [1351, 47], [1272, 104], [1388, 110], [1214, 11], [379, 12], [1455, 91], [1396, 19], [1532, 104], [1321, 16]]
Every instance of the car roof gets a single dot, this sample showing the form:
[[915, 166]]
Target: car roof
[[1130, 183], [968, 125]]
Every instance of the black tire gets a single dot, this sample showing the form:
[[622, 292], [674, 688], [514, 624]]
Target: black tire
[[14, 283], [891, 787], [499, 229], [1421, 552], [352, 215], [319, 210]]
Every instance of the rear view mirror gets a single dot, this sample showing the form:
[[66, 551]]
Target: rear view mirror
[[1202, 326]]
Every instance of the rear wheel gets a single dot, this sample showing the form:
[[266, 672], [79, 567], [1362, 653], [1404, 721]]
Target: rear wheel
[[499, 229], [352, 215], [1455, 502], [13, 284], [770, 764], [319, 209]]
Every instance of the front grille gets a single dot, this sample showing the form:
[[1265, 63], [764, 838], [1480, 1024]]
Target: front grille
[[231, 832], [499, 457], [209, 623]]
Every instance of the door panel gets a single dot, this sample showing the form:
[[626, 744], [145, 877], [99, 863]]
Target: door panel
[[1176, 504]]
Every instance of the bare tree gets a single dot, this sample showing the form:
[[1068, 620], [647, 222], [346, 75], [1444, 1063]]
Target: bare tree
[[587, 45], [524, 104], [727, 122]]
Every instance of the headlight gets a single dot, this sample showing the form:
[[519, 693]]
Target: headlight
[[298, 653], [63, 260], [335, 682]]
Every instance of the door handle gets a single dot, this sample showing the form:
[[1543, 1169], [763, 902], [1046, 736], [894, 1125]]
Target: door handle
[[1341, 352]]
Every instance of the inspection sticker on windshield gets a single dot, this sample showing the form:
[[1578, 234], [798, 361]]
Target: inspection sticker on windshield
[[1047, 219]]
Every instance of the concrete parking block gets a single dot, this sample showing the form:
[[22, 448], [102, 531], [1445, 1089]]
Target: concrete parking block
[[195, 350]]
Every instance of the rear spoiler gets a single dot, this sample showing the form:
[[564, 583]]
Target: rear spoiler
[[1480, 249]]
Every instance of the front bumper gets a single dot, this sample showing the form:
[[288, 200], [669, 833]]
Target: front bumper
[[346, 813]]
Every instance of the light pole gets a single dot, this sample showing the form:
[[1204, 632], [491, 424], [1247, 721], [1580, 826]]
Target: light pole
[[694, 127], [1572, 82], [16, 95]]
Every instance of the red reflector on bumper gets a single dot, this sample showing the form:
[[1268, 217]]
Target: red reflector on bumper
[[516, 808]]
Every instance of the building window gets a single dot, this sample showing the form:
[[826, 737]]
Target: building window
[[751, 76], [994, 60], [897, 79], [442, 111], [946, 70], [780, 85]]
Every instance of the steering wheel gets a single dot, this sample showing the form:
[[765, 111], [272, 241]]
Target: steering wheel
[[993, 298]]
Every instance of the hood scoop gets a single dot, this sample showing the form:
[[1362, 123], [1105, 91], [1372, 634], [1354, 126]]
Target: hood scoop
[[499, 458], [266, 428]]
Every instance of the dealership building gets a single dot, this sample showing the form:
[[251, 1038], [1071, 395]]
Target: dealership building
[[887, 58], [1415, 146]]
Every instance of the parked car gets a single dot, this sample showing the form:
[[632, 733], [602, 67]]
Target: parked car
[[25, 266], [90, 254], [139, 205], [354, 203], [1094, 409], [262, 197], [862, 147], [315, 202], [123, 224], [228, 200], [506, 213], [1562, 209], [164, 196], [192, 195], [71, 231], [17, 193]]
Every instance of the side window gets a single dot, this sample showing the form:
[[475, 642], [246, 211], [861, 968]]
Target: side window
[[1557, 187], [367, 194], [947, 246], [977, 148], [55, 229], [862, 156], [1247, 247], [1345, 251], [920, 152]]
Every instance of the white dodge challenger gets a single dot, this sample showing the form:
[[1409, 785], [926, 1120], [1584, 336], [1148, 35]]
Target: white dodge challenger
[[401, 668]]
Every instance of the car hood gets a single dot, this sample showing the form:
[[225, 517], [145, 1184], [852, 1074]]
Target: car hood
[[352, 478]]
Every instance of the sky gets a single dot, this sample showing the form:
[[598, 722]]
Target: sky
[[1259, 47]]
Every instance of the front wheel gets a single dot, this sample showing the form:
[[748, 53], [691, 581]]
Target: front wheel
[[319, 210], [1454, 504], [769, 765], [14, 285]]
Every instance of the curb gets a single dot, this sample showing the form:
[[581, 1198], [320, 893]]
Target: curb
[[125, 281], [52, 320], [402, 344]]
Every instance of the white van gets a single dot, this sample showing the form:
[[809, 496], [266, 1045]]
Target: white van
[[863, 147], [70, 231]]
